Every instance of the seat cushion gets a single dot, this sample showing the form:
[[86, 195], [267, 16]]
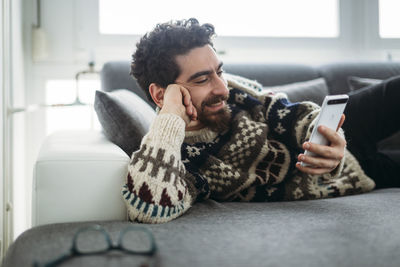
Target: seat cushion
[[359, 230]]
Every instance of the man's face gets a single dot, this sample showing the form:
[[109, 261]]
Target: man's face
[[201, 75]]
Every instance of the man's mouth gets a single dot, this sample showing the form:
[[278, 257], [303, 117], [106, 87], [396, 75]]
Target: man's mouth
[[215, 107], [216, 104]]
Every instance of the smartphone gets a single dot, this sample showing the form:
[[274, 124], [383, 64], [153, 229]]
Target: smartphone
[[329, 116]]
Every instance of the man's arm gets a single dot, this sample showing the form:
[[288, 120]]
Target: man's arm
[[297, 120], [158, 188]]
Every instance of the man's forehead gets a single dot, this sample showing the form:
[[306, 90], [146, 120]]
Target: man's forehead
[[198, 59]]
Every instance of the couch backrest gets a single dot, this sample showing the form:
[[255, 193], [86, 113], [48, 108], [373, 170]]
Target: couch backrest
[[273, 74], [115, 74], [336, 74]]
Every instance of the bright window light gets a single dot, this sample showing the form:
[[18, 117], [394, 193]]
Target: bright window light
[[272, 18], [389, 19], [60, 91], [71, 117]]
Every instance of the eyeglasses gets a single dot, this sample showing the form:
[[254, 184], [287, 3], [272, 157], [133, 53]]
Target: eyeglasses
[[94, 239]]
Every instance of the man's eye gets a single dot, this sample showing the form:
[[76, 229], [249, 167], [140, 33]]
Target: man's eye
[[201, 81], [219, 73]]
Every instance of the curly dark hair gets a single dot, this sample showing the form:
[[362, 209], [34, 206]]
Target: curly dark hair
[[154, 58]]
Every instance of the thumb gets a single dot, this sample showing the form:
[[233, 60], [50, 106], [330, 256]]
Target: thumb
[[341, 122]]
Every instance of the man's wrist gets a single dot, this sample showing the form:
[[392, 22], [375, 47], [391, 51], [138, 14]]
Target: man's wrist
[[167, 130], [175, 112]]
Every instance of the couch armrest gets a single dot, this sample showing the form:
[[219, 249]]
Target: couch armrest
[[78, 177]]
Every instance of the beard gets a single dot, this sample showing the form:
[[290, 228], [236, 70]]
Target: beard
[[218, 121]]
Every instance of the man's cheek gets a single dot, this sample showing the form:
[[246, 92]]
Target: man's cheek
[[197, 106]]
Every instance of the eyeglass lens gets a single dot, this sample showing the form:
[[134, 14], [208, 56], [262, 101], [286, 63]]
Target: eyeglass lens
[[91, 241], [136, 241]]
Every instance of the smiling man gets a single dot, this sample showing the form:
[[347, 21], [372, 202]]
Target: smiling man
[[204, 87], [221, 136]]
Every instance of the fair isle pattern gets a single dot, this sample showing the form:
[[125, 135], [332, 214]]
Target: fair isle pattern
[[149, 212], [155, 191], [253, 161], [141, 199], [352, 180], [240, 150], [250, 152]]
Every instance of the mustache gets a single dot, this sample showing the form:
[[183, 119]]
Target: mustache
[[214, 99]]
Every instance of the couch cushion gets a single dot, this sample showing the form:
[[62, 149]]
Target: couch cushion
[[356, 83], [125, 118], [314, 90], [359, 230], [336, 74], [391, 145], [115, 75]]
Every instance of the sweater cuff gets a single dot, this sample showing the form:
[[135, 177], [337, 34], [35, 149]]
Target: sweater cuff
[[338, 170], [167, 131]]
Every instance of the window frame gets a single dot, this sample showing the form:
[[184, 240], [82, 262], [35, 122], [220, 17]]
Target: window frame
[[373, 38], [358, 29], [90, 31]]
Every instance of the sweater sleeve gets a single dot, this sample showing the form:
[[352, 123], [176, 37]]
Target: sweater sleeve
[[157, 188]]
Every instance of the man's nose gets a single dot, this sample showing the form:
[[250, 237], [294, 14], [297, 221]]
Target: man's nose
[[220, 86]]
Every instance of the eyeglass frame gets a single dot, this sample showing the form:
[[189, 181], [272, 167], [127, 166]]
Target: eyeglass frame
[[73, 251]]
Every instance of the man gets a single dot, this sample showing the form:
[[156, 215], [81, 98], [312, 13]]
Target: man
[[220, 136]]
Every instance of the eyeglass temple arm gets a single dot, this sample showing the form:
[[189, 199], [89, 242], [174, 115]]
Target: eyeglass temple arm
[[55, 262]]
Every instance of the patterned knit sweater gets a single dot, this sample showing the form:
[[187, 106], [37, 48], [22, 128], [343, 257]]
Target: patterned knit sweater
[[253, 161]]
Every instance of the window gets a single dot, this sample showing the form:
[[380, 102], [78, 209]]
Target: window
[[269, 18], [71, 117], [389, 19]]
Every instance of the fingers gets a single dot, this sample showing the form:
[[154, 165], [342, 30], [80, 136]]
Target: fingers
[[319, 161], [187, 101], [335, 152], [328, 157], [342, 119], [312, 170], [185, 96], [332, 136], [177, 100], [194, 114]]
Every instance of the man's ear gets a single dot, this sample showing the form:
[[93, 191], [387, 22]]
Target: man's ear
[[157, 94]]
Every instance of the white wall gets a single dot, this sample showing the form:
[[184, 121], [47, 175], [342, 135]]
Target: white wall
[[18, 133], [2, 114], [5, 91], [12, 126], [72, 32]]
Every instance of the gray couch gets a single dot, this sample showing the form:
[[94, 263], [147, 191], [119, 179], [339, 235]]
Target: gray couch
[[338, 78], [360, 230]]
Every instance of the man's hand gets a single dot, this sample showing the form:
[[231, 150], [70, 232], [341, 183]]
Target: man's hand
[[329, 156], [177, 100]]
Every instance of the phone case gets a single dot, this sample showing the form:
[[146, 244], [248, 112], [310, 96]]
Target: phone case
[[329, 116]]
